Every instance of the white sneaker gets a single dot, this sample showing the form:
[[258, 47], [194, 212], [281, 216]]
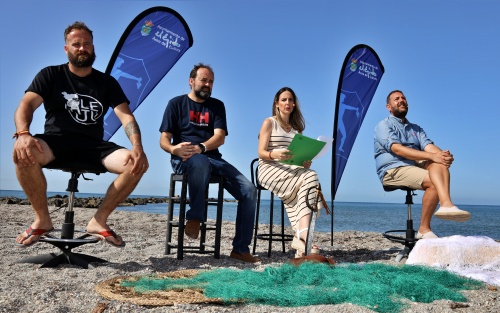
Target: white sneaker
[[452, 214], [427, 235]]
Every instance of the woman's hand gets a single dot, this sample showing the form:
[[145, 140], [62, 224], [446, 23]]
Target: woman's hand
[[282, 154], [307, 164]]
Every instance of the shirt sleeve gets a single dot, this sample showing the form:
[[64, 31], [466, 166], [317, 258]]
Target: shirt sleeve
[[117, 95], [385, 135], [169, 118], [422, 137], [220, 118]]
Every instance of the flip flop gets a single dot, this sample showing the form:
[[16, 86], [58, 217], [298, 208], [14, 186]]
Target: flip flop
[[102, 235], [33, 232]]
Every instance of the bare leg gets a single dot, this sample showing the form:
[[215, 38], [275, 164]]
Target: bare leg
[[118, 191], [301, 235], [34, 184], [440, 178], [430, 201], [304, 223]]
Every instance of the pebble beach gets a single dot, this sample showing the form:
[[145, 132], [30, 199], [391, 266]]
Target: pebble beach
[[25, 287]]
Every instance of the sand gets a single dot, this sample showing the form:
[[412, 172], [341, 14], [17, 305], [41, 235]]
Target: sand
[[25, 287]]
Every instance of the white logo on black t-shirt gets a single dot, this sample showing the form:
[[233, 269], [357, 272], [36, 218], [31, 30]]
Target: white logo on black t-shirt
[[83, 109]]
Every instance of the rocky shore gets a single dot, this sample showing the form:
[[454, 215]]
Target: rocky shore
[[89, 202], [25, 287]]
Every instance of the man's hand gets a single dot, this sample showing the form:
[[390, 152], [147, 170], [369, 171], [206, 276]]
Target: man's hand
[[443, 157], [139, 159], [24, 149], [184, 150]]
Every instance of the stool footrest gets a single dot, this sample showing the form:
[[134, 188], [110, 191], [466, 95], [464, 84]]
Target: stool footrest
[[275, 237], [399, 238], [174, 245]]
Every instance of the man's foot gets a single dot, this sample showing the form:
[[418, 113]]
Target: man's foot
[[102, 231], [192, 229], [107, 235], [245, 257], [427, 235], [452, 214], [32, 236]]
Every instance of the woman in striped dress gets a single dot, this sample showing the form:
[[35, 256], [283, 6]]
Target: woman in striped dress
[[291, 183]]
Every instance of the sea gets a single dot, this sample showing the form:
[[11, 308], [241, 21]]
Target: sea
[[357, 216]]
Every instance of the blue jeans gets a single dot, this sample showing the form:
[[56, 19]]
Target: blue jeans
[[234, 182]]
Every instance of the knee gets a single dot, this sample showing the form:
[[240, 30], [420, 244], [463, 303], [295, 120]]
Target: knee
[[198, 165], [132, 178], [427, 185], [312, 176], [250, 191]]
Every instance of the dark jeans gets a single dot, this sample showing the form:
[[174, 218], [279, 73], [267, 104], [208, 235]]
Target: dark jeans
[[199, 168]]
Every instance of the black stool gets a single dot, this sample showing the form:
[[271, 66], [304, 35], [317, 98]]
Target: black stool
[[408, 240], [180, 224], [67, 240], [269, 237]]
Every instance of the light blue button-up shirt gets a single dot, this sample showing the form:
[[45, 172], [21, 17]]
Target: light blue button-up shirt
[[392, 130]]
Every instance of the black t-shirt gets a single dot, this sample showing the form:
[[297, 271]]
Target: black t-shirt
[[190, 121], [76, 105]]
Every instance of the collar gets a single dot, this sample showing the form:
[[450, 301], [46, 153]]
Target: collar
[[398, 120]]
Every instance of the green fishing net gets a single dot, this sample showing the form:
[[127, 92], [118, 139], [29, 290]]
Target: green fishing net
[[378, 287]]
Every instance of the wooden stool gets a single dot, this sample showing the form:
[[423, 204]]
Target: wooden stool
[[180, 224], [269, 237]]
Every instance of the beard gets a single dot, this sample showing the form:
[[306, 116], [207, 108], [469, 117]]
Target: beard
[[82, 60], [400, 114], [203, 93]]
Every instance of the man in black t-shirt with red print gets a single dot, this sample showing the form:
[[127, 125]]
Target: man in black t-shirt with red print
[[192, 130]]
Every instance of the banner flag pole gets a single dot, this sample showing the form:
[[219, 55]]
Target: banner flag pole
[[359, 78]]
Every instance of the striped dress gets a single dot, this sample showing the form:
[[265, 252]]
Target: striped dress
[[289, 182]]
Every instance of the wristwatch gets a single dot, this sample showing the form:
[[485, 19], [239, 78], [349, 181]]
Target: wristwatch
[[203, 148]]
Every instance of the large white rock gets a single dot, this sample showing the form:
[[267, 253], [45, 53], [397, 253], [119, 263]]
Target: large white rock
[[475, 257]]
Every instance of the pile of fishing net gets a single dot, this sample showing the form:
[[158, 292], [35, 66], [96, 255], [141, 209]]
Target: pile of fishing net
[[477, 257], [378, 287]]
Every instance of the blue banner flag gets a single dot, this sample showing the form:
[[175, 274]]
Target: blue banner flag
[[153, 42], [359, 79]]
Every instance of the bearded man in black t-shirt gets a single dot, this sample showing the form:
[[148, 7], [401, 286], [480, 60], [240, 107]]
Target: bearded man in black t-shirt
[[192, 130], [76, 98]]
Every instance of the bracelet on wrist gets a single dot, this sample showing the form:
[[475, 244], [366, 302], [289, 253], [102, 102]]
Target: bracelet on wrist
[[22, 132], [270, 155]]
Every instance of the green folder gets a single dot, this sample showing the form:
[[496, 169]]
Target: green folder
[[303, 148]]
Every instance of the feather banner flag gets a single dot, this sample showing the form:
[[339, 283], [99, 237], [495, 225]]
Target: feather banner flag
[[150, 46], [359, 79]]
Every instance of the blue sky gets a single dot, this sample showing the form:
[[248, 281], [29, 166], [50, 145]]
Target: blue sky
[[440, 53]]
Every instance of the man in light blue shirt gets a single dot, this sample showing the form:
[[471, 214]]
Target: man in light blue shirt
[[405, 156]]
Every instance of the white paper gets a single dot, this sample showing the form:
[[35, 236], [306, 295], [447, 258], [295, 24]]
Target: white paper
[[329, 141]]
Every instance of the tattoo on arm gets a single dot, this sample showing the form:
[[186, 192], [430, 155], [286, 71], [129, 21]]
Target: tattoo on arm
[[132, 128]]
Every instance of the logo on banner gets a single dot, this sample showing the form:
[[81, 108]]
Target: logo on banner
[[368, 70], [168, 39], [146, 28], [83, 109], [353, 67]]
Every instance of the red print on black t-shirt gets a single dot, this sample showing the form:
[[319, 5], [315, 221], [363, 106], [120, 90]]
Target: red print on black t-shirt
[[199, 118]]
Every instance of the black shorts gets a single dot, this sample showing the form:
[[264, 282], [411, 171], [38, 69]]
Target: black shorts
[[75, 149]]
